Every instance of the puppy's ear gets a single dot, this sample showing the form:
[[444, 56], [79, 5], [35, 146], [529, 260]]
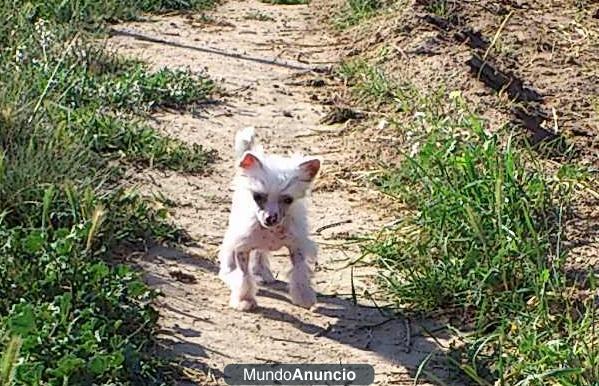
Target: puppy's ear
[[249, 161], [309, 169]]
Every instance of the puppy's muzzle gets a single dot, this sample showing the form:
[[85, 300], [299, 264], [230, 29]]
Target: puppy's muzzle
[[271, 220]]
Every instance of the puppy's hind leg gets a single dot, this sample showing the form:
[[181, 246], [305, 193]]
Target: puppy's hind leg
[[300, 288], [260, 267], [241, 282]]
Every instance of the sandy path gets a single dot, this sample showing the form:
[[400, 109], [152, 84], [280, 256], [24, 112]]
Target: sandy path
[[255, 62]]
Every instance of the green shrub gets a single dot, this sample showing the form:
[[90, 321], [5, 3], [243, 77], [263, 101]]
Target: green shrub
[[133, 141]]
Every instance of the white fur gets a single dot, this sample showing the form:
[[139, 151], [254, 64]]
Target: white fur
[[245, 140], [244, 252]]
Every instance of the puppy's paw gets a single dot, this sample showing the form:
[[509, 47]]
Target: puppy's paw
[[302, 296], [243, 304]]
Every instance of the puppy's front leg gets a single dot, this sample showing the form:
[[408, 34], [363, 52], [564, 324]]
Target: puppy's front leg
[[300, 288], [261, 268], [243, 289]]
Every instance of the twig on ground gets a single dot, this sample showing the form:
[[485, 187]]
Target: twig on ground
[[289, 340], [371, 326], [408, 335], [495, 38], [324, 331], [266, 360], [335, 224], [430, 334]]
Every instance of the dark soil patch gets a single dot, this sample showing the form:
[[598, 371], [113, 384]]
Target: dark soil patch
[[540, 66]]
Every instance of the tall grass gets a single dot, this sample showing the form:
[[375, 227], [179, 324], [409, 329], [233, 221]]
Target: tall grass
[[370, 85], [482, 239], [68, 109], [484, 218]]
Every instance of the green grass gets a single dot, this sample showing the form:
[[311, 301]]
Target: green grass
[[482, 239], [372, 86], [127, 85], [90, 13], [69, 313], [134, 142], [442, 8], [356, 11], [485, 220]]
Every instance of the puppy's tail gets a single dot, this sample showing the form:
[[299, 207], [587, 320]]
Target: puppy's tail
[[245, 140]]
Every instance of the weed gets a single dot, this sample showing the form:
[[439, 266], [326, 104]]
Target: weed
[[371, 85], [134, 142], [486, 217], [356, 11], [260, 16], [440, 8], [484, 237], [9, 360], [136, 89], [89, 13]]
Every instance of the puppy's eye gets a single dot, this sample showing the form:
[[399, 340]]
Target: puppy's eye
[[260, 198], [287, 200]]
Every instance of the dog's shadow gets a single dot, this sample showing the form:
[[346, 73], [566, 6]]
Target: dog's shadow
[[398, 341]]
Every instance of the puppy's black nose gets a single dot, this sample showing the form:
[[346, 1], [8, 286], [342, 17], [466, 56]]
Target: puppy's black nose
[[271, 220]]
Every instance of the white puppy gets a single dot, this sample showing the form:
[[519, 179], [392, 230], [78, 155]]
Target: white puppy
[[268, 213]]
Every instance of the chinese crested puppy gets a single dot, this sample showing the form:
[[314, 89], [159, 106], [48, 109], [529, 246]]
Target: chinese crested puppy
[[267, 213]]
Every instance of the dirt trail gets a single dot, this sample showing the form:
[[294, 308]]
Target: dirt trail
[[255, 62]]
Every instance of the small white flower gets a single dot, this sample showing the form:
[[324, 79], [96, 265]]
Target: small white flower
[[414, 149], [456, 94], [383, 123], [20, 55], [46, 36], [54, 309], [136, 89]]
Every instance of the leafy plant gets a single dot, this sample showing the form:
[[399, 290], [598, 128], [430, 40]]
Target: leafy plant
[[443, 8]]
